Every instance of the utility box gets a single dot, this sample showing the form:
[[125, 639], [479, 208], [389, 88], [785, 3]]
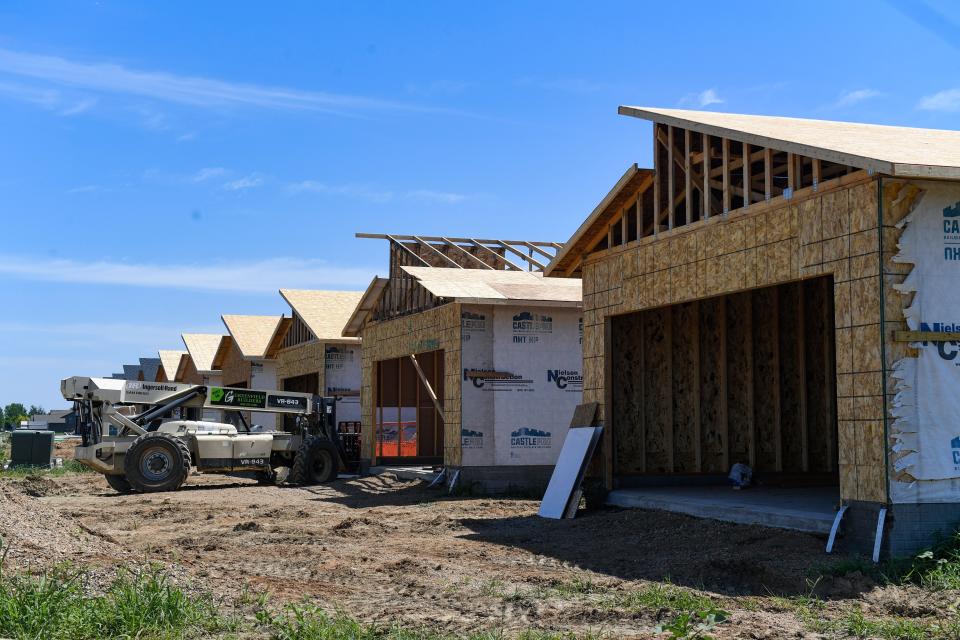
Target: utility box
[[30, 448]]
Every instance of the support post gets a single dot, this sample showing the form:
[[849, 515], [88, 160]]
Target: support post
[[726, 176], [687, 177], [671, 186], [802, 363], [705, 205], [768, 173], [747, 178]]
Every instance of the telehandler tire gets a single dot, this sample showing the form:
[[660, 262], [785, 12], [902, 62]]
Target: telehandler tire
[[316, 462], [157, 462], [118, 483]]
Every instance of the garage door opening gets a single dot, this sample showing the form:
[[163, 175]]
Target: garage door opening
[[743, 378], [409, 396]]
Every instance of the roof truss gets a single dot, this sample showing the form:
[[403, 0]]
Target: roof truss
[[470, 253], [696, 176]]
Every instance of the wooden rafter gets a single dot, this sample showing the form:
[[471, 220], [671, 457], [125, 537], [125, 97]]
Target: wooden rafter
[[534, 255], [525, 256], [483, 265], [437, 252], [496, 255]]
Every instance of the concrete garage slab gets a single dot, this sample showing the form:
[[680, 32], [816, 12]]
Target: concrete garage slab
[[809, 509]]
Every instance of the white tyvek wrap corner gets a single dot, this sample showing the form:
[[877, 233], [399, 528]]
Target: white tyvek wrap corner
[[925, 429], [520, 419]]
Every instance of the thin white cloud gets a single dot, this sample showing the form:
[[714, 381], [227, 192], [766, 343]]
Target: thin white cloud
[[85, 104], [244, 183], [850, 98], [87, 188], [702, 99], [207, 173], [947, 100], [45, 98], [377, 196], [193, 91], [264, 276], [439, 197]]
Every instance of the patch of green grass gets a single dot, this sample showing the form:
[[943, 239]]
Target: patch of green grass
[[659, 596], [937, 568], [68, 467], [812, 612], [141, 604]]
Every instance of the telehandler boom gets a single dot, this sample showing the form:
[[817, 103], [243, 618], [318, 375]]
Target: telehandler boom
[[134, 433]]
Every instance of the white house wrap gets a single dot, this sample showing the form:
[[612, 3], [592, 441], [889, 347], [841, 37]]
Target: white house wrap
[[925, 430]]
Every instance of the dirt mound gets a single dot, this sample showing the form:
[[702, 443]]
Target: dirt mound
[[38, 534]]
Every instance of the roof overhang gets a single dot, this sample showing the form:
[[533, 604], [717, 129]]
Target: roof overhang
[[830, 141], [365, 307], [632, 180]]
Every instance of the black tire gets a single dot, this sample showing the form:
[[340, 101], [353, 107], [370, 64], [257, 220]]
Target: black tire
[[157, 462], [316, 462], [119, 484], [265, 477]]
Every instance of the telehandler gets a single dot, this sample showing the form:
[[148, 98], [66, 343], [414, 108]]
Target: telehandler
[[132, 433]]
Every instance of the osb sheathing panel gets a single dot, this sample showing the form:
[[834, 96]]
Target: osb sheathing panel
[[833, 232], [713, 367], [739, 370], [303, 359], [236, 370], [437, 328]]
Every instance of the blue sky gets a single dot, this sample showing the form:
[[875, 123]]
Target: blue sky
[[164, 163]]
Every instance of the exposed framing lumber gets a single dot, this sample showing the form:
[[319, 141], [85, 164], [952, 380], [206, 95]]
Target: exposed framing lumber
[[705, 205], [536, 248], [406, 250], [751, 409], [816, 168], [435, 245], [747, 178], [777, 427], [724, 417], [642, 403], [726, 176], [791, 173], [668, 340], [483, 265], [802, 366], [503, 259], [687, 178], [698, 426], [437, 252], [768, 174], [671, 188], [656, 195], [530, 259], [427, 387]]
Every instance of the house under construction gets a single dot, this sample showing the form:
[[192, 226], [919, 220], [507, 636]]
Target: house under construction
[[471, 358], [746, 300]]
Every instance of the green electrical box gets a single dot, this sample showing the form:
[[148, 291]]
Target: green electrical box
[[30, 448]]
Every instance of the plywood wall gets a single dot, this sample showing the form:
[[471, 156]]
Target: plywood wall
[[702, 385], [829, 231]]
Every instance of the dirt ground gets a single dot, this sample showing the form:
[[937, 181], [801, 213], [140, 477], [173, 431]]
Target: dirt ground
[[387, 551]]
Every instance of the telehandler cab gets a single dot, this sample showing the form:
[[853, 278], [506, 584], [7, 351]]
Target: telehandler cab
[[149, 449]]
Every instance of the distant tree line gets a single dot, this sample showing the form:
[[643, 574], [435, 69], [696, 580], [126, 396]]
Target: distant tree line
[[15, 413]]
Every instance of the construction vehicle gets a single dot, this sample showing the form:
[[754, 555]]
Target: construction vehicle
[[133, 433]]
